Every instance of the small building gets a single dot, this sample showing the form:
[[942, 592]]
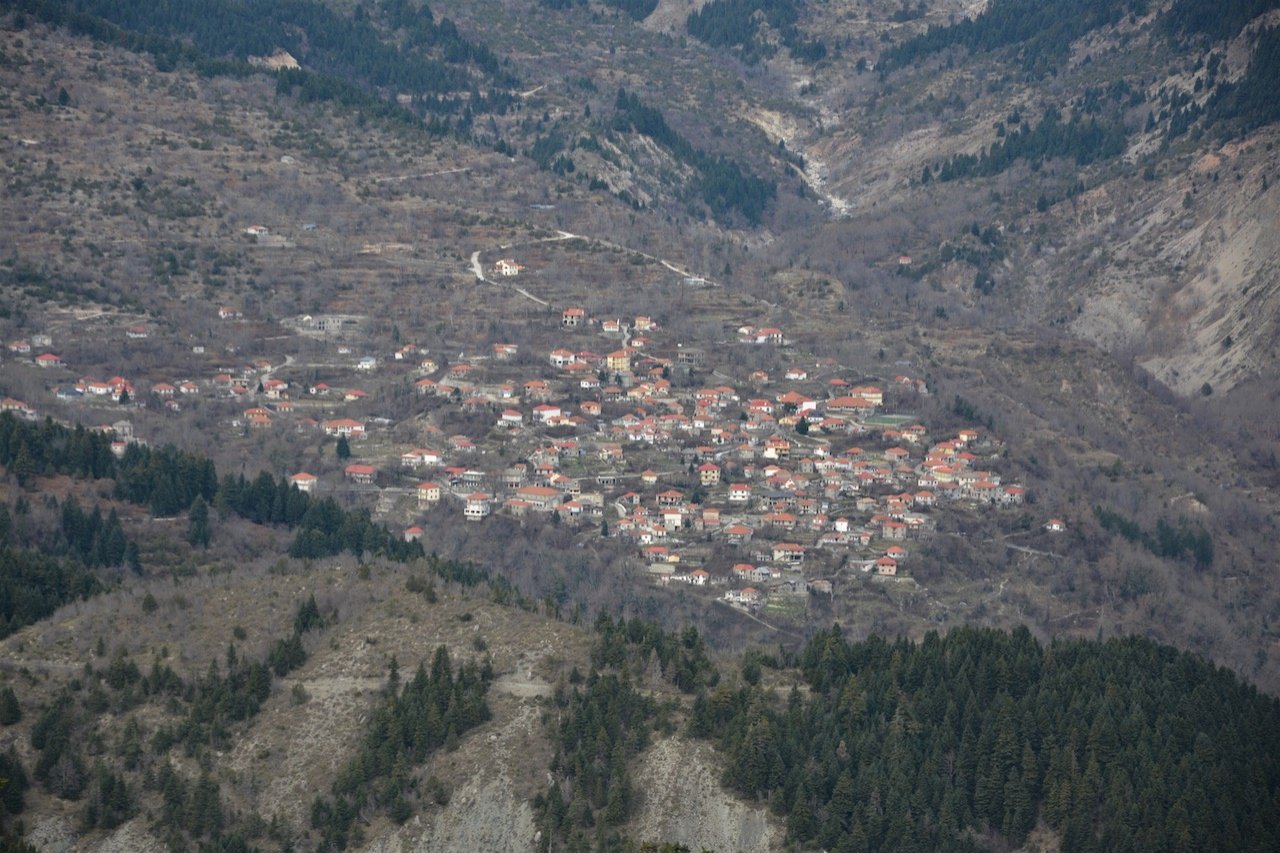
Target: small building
[[546, 413], [358, 472], [478, 506], [788, 552], [671, 498], [618, 361], [507, 267], [561, 358], [303, 481], [419, 457], [343, 427], [540, 498], [428, 493]]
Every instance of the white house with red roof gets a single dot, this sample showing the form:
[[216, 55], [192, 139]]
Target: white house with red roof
[[345, 427], [478, 506], [788, 552], [303, 481], [359, 472]]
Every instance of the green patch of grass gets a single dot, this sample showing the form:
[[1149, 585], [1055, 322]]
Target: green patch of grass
[[785, 607]]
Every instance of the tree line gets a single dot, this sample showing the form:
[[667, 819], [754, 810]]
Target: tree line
[[351, 47], [1039, 33], [736, 24], [606, 720], [721, 182], [1216, 21], [200, 711], [34, 584], [1251, 101], [43, 568], [169, 481], [1085, 140], [432, 710], [355, 62], [1125, 744], [1180, 540]]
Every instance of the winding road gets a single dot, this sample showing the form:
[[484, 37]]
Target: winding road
[[477, 268]]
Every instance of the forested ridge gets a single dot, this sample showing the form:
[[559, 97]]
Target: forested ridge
[[350, 46], [360, 61], [1039, 34], [199, 715], [169, 481], [162, 720], [605, 720], [1217, 21], [723, 185], [44, 565], [431, 711], [1122, 745], [1039, 31], [737, 24], [1251, 101], [1085, 140]]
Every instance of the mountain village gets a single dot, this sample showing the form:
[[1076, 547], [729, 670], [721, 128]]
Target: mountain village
[[750, 489]]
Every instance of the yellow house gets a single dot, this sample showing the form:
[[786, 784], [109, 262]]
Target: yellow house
[[428, 493], [618, 360]]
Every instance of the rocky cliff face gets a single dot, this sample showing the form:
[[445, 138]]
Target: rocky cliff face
[[1165, 256], [488, 809], [683, 802]]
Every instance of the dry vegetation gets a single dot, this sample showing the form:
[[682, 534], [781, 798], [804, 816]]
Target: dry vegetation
[[1112, 313]]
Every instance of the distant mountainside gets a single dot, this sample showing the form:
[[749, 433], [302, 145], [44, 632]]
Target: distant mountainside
[[1050, 224], [1097, 141]]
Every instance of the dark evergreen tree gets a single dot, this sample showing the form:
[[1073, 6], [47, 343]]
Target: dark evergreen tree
[[10, 710]]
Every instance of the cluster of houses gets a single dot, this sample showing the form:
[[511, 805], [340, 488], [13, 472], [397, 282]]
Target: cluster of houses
[[759, 486], [752, 486]]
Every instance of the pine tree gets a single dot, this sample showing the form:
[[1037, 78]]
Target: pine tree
[[10, 710], [198, 523], [24, 465]]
